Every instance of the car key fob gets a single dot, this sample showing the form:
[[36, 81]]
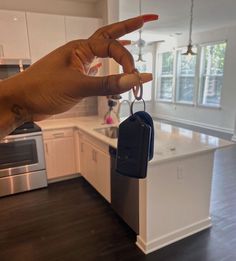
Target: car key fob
[[149, 121], [135, 145]]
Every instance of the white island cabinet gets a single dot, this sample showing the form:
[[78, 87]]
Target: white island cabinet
[[95, 163], [174, 199]]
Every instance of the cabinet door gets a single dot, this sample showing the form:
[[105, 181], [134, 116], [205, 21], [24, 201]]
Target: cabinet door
[[49, 158], [13, 36], [64, 157], [87, 162], [80, 27], [103, 174], [46, 33]]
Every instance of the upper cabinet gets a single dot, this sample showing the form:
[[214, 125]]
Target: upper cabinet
[[33, 35], [46, 33], [81, 27], [13, 35]]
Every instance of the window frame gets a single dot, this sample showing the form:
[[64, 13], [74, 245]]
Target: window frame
[[200, 76], [178, 68], [159, 77]]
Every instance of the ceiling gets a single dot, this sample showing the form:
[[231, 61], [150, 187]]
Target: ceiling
[[175, 14]]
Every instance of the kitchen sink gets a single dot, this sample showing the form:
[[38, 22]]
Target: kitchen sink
[[110, 132]]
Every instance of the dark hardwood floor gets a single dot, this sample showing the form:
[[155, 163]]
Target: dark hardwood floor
[[71, 221]]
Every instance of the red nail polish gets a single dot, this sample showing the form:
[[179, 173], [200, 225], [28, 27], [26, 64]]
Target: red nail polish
[[99, 65], [149, 17]]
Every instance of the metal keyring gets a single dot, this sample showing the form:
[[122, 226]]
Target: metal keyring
[[132, 105], [138, 88]]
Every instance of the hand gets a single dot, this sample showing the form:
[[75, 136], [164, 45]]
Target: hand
[[58, 81]]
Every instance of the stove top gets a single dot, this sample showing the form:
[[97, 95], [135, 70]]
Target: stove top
[[27, 127]]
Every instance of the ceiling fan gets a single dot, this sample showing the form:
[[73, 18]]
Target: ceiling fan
[[141, 43]]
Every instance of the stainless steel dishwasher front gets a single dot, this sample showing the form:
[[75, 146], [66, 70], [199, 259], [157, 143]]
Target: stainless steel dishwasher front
[[124, 195]]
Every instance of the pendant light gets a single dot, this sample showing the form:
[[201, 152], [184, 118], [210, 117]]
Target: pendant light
[[140, 42], [190, 51]]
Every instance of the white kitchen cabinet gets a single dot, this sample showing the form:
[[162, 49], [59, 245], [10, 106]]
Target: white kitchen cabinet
[[13, 36], [88, 163], [81, 27], [59, 153], [103, 174], [95, 164], [46, 33]]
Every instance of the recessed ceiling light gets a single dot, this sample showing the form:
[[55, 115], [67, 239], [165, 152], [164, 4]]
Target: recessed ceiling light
[[15, 19]]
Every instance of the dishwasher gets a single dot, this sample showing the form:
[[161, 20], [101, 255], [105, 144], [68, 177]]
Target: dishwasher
[[124, 195]]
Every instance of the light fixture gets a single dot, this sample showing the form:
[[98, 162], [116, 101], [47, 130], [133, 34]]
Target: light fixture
[[140, 42], [190, 51]]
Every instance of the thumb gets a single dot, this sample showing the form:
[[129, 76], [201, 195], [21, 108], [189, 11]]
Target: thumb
[[128, 81], [113, 84]]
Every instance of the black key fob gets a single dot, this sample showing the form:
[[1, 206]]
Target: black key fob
[[149, 121], [133, 147]]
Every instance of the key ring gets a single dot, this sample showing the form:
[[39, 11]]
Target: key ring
[[138, 88], [132, 105]]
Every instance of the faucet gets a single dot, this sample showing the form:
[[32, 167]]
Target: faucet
[[118, 108]]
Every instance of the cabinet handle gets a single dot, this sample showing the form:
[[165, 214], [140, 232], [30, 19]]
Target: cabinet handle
[[58, 135], [1, 51], [82, 147], [94, 155], [46, 148]]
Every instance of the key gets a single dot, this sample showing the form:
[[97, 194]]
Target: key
[[135, 142]]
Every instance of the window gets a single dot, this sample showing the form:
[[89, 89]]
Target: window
[[166, 76], [186, 69], [212, 73], [196, 79]]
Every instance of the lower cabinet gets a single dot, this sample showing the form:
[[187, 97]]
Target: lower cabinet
[[95, 164], [59, 153], [67, 154]]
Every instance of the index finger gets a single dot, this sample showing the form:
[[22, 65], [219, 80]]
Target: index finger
[[116, 30]]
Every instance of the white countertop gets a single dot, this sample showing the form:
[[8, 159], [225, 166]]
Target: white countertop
[[170, 142], [86, 124]]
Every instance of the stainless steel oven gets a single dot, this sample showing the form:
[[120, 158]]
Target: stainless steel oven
[[10, 67], [22, 163]]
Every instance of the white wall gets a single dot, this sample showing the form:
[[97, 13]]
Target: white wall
[[219, 119], [62, 7]]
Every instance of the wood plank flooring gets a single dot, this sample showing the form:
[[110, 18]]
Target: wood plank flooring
[[71, 221]]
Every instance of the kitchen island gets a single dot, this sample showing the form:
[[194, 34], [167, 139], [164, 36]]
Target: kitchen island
[[174, 199]]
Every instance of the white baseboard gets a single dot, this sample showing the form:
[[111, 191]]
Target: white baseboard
[[71, 176], [195, 123], [148, 247]]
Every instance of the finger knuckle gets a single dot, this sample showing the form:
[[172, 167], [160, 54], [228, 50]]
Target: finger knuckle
[[109, 86]]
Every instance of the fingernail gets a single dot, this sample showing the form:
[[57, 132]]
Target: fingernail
[[149, 17], [127, 81], [99, 65], [146, 77]]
